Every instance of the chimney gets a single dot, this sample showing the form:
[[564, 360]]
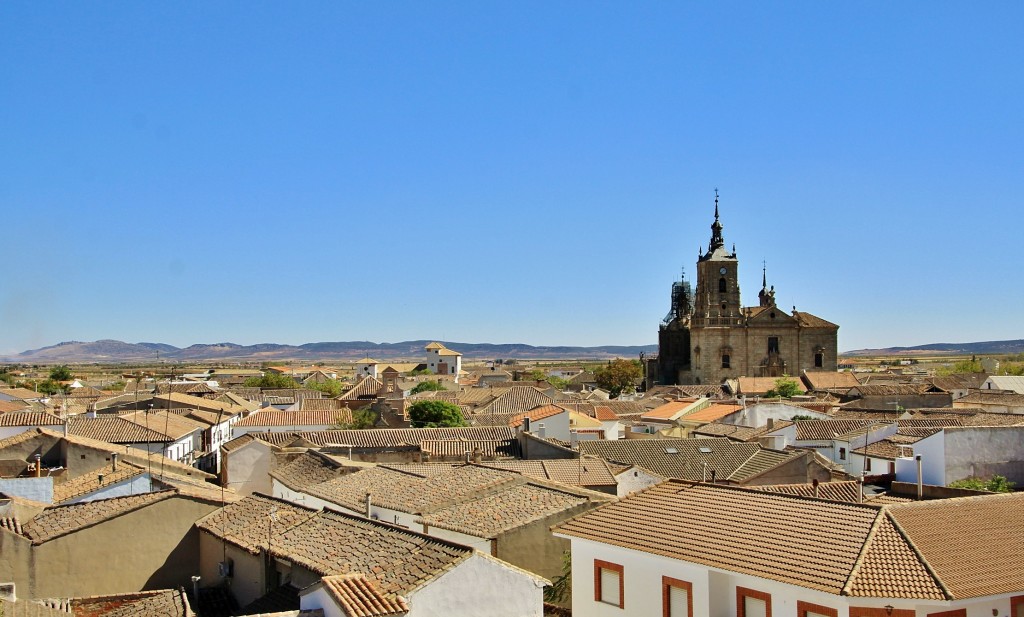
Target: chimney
[[574, 439], [468, 459], [113, 461], [478, 456], [814, 486], [369, 502], [540, 430], [920, 480], [39, 465], [526, 424], [771, 424], [860, 489], [100, 478]]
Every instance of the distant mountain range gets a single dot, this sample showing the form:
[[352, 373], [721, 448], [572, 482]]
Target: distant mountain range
[[989, 348], [110, 351], [114, 352]]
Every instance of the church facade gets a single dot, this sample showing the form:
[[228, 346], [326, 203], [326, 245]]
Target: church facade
[[708, 336]]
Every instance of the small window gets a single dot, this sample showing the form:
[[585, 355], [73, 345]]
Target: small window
[[806, 609], [819, 360], [773, 344], [609, 586], [842, 454], [721, 285], [676, 597], [725, 360], [750, 603]]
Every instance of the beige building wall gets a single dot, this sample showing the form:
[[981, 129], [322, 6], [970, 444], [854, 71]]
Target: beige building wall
[[155, 547]]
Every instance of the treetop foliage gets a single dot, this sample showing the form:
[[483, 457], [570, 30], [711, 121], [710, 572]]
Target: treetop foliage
[[619, 376], [433, 413]]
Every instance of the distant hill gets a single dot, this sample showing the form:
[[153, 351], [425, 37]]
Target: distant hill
[[988, 348], [110, 351]]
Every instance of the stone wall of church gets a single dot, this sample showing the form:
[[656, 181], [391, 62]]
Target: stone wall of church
[[747, 347]]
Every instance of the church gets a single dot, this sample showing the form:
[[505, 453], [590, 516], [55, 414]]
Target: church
[[708, 336]]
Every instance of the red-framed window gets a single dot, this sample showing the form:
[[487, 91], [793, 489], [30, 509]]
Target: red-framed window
[[676, 597], [609, 583], [808, 609], [752, 603], [1017, 606]]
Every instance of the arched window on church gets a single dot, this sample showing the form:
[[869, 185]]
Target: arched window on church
[[725, 360], [721, 285], [819, 360]]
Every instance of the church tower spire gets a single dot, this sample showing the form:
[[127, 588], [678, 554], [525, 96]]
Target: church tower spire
[[766, 295], [716, 229]]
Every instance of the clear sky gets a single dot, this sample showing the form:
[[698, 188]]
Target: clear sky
[[533, 172]]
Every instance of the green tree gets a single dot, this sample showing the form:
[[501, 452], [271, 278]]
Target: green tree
[[432, 413], [272, 381], [785, 387], [361, 419], [619, 376], [49, 387], [431, 385], [560, 588], [996, 484], [61, 372], [330, 387], [422, 371]]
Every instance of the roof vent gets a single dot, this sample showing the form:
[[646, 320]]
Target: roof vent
[[705, 450], [671, 451]]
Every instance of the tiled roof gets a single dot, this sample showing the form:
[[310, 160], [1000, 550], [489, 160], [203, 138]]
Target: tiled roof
[[825, 430], [515, 400], [178, 399], [669, 410], [449, 449], [21, 393], [57, 521], [306, 470], [848, 490], [760, 385], [886, 390], [276, 417], [807, 320], [992, 398], [29, 418], [686, 458], [407, 492], [829, 380], [114, 429], [490, 515], [398, 561], [806, 542], [193, 388], [367, 387], [711, 413], [359, 597], [321, 404], [968, 542], [586, 471], [167, 422], [161, 603], [246, 523], [16, 405], [736, 432], [394, 437], [90, 482], [971, 417], [537, 413]]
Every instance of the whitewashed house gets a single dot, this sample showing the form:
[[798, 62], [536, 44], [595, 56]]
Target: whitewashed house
[[699, 550]]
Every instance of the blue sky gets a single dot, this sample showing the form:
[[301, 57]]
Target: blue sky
[[528, 172]]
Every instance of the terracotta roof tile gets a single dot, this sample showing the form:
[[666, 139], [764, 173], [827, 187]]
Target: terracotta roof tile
[[276, 417], [246, 523], [359, 597], [686, 458], [89, 483], [161, 603], [306, 470]]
